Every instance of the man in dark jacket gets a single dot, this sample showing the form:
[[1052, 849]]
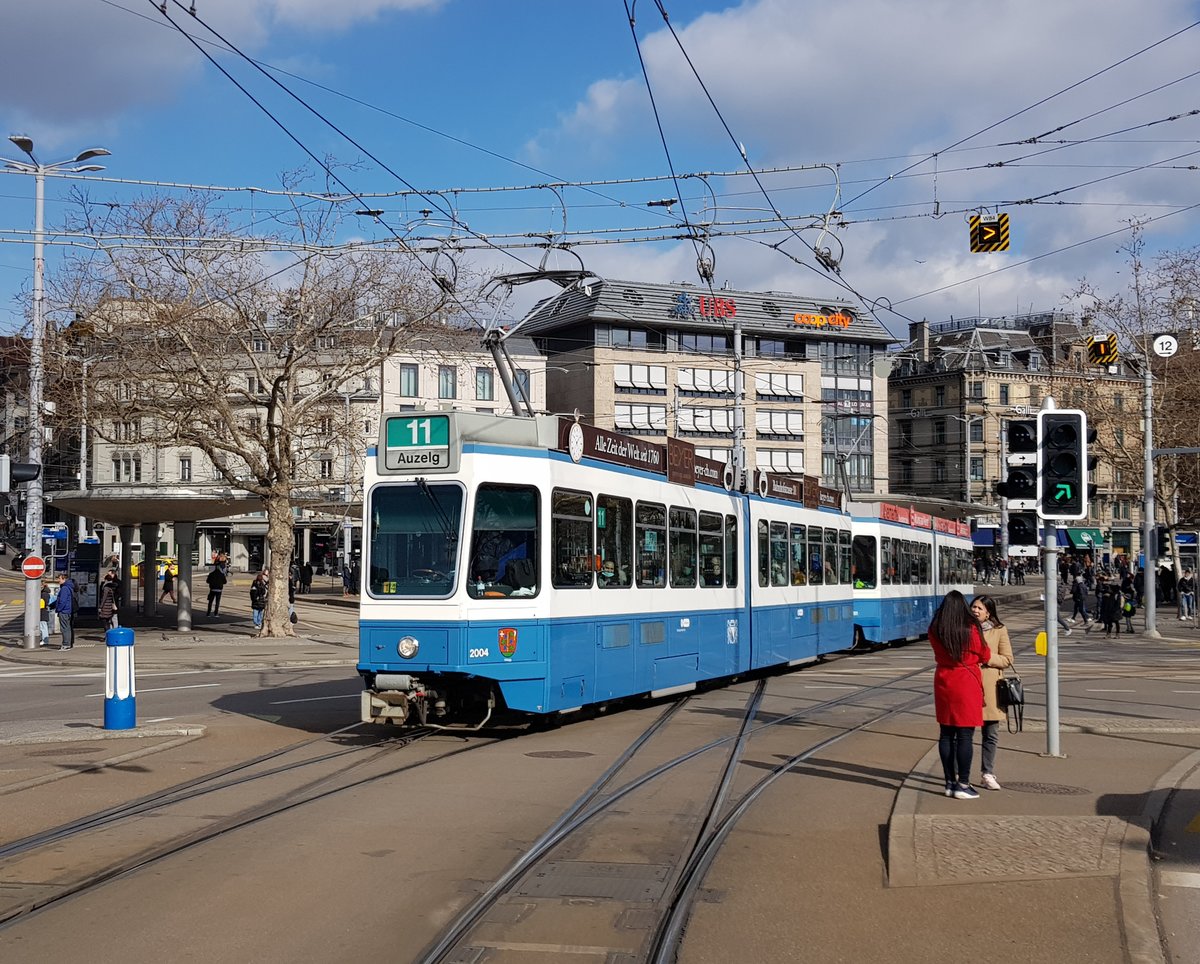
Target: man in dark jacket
[[216, 586], [65, 607]]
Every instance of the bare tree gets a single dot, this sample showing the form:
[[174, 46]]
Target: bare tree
[[1162, 295], [197, 337]]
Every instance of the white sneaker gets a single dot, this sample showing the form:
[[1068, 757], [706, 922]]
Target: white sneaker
[[990, 782]]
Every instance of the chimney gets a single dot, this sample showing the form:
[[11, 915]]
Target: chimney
[[918, 338]]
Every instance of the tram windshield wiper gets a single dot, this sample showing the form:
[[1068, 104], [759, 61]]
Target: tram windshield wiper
[[440, 514]]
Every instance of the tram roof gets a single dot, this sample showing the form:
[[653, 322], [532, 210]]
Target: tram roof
[[685, 305], [946, 508]]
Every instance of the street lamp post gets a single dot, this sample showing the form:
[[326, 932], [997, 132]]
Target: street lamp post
[[33, 497]]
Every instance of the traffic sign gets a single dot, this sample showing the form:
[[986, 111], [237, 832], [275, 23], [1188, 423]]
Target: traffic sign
[[33, 567], [1165, 345], [990, 234]]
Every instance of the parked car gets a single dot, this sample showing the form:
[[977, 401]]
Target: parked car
[[163, 563]]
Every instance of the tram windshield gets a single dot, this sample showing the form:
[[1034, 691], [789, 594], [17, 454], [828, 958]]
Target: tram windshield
[[414, 538]]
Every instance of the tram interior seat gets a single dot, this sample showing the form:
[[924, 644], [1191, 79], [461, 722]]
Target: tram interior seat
[[520, 574]]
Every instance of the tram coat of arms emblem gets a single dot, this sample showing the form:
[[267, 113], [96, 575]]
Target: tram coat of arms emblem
[[507, 642]]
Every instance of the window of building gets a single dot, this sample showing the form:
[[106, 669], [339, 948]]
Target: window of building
[[447, 381], [185, 468], [258, 344], [326, 467], [977, 430], [705, 421], [779, 423], [939, 431], [906, 398], [1003, 394], [628, 338], [704, 381], [485, 385], [906, 472], [939, 471], [782, 461], [771, 347], [640, 379], [1035, 362], [1119, 435], [325, 426], [410, 383], [773, 385], [521, 377], [976, 469], [904, 431], [254, 385], [127, 468], [1119, 402], [640, 418], [1004, 360], [703, 343], [976, 391], [326, 341], [253, 424], [939, 396]]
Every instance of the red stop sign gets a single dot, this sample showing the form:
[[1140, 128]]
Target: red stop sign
[[34, 567]]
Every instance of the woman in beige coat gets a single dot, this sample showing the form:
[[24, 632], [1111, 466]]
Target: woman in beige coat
[[995, 634]]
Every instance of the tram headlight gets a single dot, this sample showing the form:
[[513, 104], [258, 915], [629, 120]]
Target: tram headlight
[[407, 647]]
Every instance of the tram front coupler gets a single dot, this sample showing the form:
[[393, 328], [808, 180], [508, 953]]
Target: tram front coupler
[[396, 698]]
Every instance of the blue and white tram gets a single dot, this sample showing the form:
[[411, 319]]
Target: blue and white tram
[[537, 565], [905, 561]]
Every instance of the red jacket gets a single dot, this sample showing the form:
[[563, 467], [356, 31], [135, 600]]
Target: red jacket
[[958, 684]]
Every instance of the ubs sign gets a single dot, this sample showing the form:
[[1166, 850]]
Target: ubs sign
[[702, 306]]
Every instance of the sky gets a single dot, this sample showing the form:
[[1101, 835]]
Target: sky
[[1071, 117]]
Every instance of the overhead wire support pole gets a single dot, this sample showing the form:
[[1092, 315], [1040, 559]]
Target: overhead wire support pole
[[1150, 569]]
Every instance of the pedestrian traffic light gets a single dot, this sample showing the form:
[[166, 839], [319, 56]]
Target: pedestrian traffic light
[[1020, 479], [13, 473], [1162, 542], [1062, 464]]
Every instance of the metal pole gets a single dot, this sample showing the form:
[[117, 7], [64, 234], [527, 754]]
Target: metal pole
[[966, 424], [1050, 588], [1149, 575], [33, 492], [740, 480], [83, 529]]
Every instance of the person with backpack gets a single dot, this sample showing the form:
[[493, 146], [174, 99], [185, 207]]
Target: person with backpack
[[67, 605], [216, 585]]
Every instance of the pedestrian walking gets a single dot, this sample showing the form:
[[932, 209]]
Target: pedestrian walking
[[66, 605], [216, 585], [1110, 610], [306, 578], [258, 599], [959, 650], [107, 606], [168, 589], [995, 635], [1129, 609], [1079, 597]]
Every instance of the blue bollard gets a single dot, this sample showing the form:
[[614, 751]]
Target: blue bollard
[[120, 694]]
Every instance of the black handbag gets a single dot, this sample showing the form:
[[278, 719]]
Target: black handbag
[[1010, 697]]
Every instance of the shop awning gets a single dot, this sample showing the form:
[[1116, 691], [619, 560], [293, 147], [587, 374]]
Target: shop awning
[[984, 536], [1082, 538]]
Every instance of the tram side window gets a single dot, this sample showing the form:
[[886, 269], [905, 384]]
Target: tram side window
[[845, 559], [683, 548], [831, 557], [571, 540], [711, 549], [651, 534], [779, 554], [731, 551], [764, 553], [504, 542], [887, 565], [864, 562], [799, 548], [614, 541], [925, 555], [815, 556]]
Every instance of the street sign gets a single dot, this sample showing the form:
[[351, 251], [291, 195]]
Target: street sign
[[33, 567], [990, 234], [1165, 345]]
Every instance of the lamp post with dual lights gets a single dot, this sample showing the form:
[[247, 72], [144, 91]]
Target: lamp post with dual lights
[[33, 513]]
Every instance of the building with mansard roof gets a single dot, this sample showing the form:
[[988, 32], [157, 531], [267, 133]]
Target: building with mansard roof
[[658, 359], [956, 384]]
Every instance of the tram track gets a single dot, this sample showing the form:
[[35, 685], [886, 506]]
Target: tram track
[[461, 938], [94, 842]]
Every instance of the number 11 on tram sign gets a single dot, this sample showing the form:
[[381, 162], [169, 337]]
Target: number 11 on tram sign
[[417, 442]]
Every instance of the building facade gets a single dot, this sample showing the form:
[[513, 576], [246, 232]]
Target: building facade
[[660, 359], [956, 384]]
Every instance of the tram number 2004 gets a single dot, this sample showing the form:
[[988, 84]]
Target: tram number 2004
[[478, 654]]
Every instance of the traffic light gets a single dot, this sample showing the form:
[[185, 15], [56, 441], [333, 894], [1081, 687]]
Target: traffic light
[[1162, 542], [13, 473], [1062, 463], [1020, 482]]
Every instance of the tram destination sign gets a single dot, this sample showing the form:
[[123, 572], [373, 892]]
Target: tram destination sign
[[417, 443]]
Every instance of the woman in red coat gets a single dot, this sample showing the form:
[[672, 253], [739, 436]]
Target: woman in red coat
[[959, 650]]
